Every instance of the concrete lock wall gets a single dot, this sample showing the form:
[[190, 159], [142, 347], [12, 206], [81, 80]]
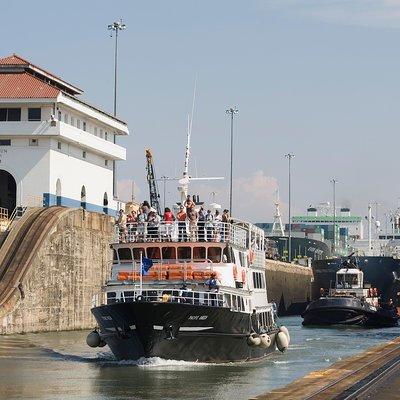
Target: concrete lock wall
[[64, 278], [288, 285]]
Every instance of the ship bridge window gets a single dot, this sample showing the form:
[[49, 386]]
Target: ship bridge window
[[214, 254], [136, 253], [154, 253], [199, 253], [184, 253], [125, 254], [169, 253], [347, 280]]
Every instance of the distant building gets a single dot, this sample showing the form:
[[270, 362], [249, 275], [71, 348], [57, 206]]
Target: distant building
[[55, 149]]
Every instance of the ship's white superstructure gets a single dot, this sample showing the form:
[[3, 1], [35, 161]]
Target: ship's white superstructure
[[55, 149]]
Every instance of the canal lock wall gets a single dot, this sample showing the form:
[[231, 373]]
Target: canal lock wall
[[52, 276], [289, 286]]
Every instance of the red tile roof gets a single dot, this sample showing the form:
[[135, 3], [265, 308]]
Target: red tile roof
[[18, 63], [13, 60], [24, 85]]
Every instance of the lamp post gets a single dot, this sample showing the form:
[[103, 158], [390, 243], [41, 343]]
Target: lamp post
[[334, 182], [289, 156], [231, 111], [115, 27]]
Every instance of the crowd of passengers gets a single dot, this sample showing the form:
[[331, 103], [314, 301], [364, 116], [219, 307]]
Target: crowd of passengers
[[192, 225]]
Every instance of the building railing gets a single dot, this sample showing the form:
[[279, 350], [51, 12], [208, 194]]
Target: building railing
[[181, 231]]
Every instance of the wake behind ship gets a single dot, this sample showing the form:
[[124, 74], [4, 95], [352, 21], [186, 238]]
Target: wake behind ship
[[203, 299]]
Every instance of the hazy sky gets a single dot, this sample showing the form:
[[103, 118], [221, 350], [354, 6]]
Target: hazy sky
[[319, 78]]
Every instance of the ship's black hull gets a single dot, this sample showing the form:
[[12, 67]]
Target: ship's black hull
[[347, 311], [178, 331], [380, 272]]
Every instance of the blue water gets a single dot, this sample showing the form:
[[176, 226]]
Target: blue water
[[61, 366]]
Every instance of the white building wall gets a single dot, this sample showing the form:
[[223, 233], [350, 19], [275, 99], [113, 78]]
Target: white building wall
[[29, 165], [75, 172]]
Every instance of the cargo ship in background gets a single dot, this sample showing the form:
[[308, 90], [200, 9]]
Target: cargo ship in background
[[325, 240]]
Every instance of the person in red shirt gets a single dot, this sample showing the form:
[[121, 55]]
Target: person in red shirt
[[181, 216], [168, 219]]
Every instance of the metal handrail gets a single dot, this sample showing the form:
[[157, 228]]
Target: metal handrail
[[181, 231], [209, 298], [17, 213]]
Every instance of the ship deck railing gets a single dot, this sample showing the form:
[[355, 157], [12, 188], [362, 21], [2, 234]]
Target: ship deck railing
[[184, 296], [182, 231]]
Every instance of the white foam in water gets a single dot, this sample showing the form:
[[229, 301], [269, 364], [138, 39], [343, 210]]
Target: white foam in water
[[153, 362]]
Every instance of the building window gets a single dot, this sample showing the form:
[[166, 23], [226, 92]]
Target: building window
[[84, 125], [106, 163], [66, 118], [101, 133], [34, 114], [59, 115], [59, 145], [10, 114], [106, 135], [5, 142], [33, 142], [95, 130], [84, 154], [72, 120], [78, 123]]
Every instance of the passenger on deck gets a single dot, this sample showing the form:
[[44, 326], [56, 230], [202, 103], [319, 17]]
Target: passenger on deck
[[192, 217], [153, 221], [181, 217], [225, 221], [217, 226], [209, 225], [121, 222], [168, 219], [213, 283], [131, 221], [201, 224], [146, 207], [141, 223], [189, 203]]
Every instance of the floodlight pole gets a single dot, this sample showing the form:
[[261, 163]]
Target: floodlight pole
[[289, 156], [116, 26], [231, 111], [334, 182]]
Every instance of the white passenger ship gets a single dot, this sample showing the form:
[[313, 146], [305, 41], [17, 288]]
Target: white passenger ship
[[202, 300]]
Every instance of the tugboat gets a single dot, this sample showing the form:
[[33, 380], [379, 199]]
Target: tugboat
[[202, 298], [350, 303]]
